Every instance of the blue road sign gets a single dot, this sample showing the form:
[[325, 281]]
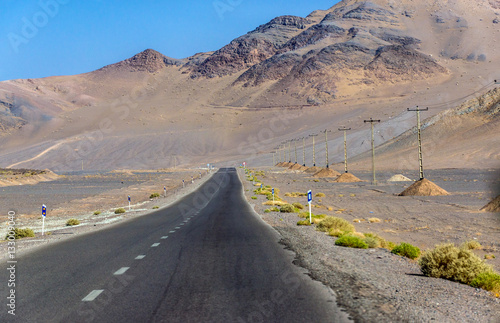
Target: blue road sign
[[44, 210], [260, 186], [309, 196], [129, 198], [273, 190]]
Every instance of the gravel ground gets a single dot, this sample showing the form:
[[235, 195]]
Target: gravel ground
[[374, 285]]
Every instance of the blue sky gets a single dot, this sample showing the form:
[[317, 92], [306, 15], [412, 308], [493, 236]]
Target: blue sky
[[42, 38]]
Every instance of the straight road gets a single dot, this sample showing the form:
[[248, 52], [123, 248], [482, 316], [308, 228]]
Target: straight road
[[206, 258]]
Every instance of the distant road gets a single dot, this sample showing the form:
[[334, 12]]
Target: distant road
[[207, 258]]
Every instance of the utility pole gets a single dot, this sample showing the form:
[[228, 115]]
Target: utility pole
[[304, 151], [273, 160], [326, 144], [314, 150], [295, 146], [420, 161], [371, 121], [290, 151], [344, 129]]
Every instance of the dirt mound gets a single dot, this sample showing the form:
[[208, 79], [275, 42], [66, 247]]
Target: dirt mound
[[399, 178], [424, 187], [280, 164], [347, 178], [493, 206], [326, 172], [303, 168], [295, 167], [313, 170]]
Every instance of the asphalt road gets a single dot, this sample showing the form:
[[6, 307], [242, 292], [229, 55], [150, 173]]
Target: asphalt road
[[207, 258]]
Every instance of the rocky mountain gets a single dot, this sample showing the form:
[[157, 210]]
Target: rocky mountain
[[357, 59]]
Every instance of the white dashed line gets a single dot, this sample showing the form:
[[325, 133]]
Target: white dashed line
[[177, 228], [139, 257], [171, 231], [164, 237], [121, 271], [93, 295], [155, 245]]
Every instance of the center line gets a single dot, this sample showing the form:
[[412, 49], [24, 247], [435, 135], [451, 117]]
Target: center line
[[139, 257], [177, 228], [93, 294], [155, 245], [164, 237], [171, 231], [121, 271]]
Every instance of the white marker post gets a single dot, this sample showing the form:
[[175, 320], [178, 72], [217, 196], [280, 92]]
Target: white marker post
[[309, 200], [165, 190], [183, 184], [44, 213], [129, 202], [273, 196]]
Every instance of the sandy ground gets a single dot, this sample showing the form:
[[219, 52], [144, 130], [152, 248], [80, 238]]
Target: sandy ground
[[422, 221], [79, 196], [374, 285]]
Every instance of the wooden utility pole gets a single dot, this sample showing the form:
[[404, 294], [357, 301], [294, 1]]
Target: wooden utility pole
[[289, 151], [314, 150], [420, 161], [371, 121], [295, 146], [344, 129], [326, 146]]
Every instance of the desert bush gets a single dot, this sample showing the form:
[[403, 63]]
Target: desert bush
[[320, 195], [351, 241], [120, 210], [156, 207], [452, 263], [472, 245], [406, 250], [72, 222], [97, 212], [489, 281], [21, 233], [303, 222], [487, 257], [154, 195], [372, 242], [267, 211], [374, 220], [287, 208], [331, 222], [298, 206], [254, 197], [335, 232], [275, 209]]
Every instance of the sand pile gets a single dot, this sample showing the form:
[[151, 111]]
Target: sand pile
[[424, 187], [295, 167], [347, 178], [399, 178], [313, 170], [493, 206], [303, 168], [279, 164], [326, 172]]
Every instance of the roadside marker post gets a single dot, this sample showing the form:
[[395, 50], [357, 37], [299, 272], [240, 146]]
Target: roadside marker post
[[165, 190], [44, 213], [192, 179], [129, 202], [309, 200], [273, 196], [183, 184]]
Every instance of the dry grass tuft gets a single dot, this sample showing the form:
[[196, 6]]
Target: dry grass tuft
[[331, 222], [374, 220], [472, 245]]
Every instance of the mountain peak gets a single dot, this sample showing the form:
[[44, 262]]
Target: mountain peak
[[148, 60]]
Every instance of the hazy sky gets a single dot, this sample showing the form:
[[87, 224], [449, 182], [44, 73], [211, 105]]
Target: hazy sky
[[62, 37]]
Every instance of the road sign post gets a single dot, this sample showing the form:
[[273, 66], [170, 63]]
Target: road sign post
[[309, 201], [129, 202], [44, 213], [273, 196], [165, 190], [183, 183]]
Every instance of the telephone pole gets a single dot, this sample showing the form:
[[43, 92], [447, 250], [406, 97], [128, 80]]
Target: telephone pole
[[290, 151], [420, 161], [304, 151], [344, 129], [295, 146], [371, 121], [314, 150], [326, 146]]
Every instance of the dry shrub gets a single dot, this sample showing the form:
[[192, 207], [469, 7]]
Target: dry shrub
[[374, 220], [273, 203], [406, 250], [351, 241], [372, 242], [287, 208], [335, 232], [379, 241], [472, 245], [72, 222], [452, 263], [298, 206], [331, 222], [489, 281], [319, 195], [303, 222]]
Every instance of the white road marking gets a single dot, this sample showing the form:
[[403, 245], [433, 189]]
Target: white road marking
[[155, 245], [164, 237], [172, 231], [93, 295], [177, 228], [121, 271], [139, 257]]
